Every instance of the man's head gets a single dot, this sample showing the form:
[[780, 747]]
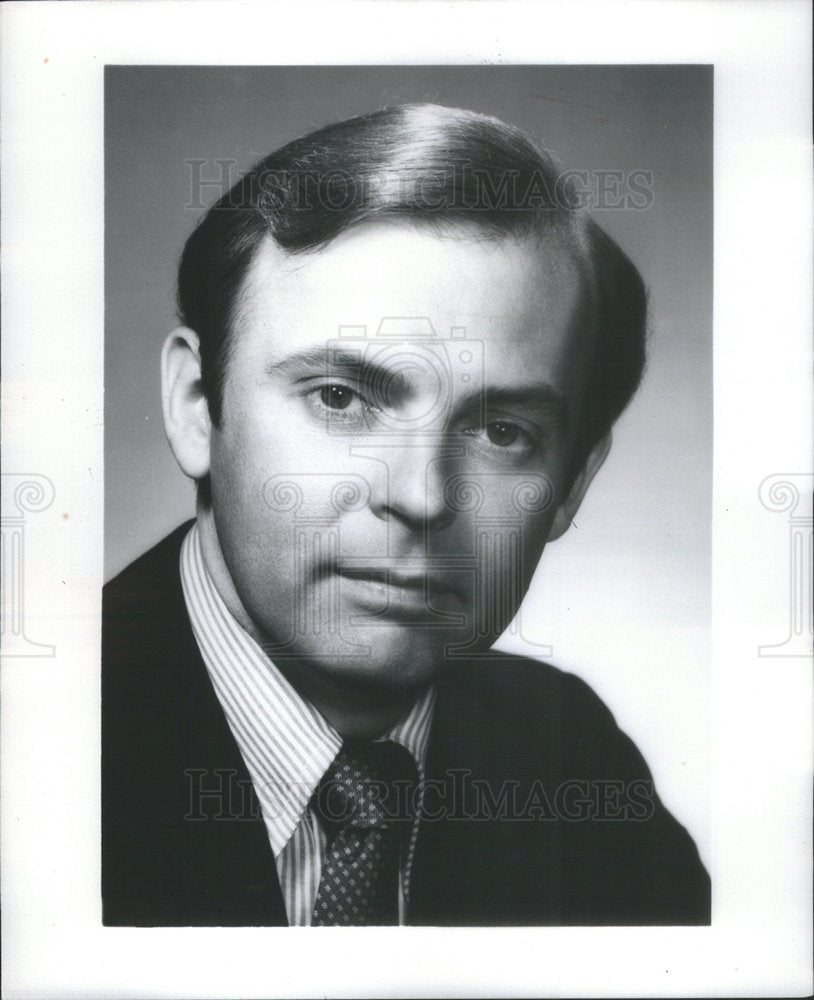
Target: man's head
[[404, 348], [423, 165]]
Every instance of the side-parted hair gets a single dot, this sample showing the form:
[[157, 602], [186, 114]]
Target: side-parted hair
[[422, 164]]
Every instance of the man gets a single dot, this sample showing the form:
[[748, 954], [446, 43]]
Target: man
[[402, 352]]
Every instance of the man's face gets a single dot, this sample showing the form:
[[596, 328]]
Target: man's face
[[398, 415]]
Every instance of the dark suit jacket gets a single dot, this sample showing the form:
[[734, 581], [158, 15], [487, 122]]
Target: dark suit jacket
[[540, 808]]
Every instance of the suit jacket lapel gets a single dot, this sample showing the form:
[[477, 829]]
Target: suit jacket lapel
[[444, 884], [473, 866], [184, 842], [229, 849]]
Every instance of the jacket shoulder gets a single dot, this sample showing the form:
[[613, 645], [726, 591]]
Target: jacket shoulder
[[148, 577], [565, 804], [516, 694], [146, 636]]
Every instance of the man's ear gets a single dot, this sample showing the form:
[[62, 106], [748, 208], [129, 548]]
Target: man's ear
[[570, 505], [186, 412]]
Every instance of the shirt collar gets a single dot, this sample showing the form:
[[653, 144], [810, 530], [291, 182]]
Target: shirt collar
[[286, 743]]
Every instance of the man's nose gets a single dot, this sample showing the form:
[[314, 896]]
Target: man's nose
[[409, 485]]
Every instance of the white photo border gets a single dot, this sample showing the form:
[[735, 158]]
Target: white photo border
[[759, 944]]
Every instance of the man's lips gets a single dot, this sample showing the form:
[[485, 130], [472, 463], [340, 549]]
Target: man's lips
[[411, 579], [413, 586]]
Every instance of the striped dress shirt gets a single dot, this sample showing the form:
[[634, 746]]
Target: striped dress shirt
[[286, 744]]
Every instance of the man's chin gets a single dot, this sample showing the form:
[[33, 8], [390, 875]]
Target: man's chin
[[382, 661]]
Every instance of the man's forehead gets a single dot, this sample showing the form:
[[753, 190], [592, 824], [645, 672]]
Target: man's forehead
[[387, 269]]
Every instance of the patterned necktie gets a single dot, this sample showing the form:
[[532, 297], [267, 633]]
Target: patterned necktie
[[364, 803]]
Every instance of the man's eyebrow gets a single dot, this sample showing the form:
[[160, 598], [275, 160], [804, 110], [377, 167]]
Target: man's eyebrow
[[324, 357], [341, 361], [540, 398]]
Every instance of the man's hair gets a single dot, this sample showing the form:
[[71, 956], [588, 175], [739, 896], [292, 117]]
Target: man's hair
[[421, 164]]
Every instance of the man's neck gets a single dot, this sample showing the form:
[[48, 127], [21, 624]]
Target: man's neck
[[354, 711]]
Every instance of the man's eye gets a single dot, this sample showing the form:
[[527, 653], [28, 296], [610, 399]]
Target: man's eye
[[502, 433], [336, 397], [506, 437]]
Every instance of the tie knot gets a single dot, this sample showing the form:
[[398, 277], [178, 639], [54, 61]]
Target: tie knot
[[368, 786]]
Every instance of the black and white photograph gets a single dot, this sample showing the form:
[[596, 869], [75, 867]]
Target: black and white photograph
[[407, 529], [440, 339]]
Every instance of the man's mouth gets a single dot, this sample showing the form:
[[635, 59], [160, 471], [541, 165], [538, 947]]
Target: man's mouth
[[398, 589]]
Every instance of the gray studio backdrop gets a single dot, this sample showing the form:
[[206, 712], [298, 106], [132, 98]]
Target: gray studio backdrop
[[624, 597]]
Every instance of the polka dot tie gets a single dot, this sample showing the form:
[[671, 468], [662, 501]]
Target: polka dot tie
[[364, 803]]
